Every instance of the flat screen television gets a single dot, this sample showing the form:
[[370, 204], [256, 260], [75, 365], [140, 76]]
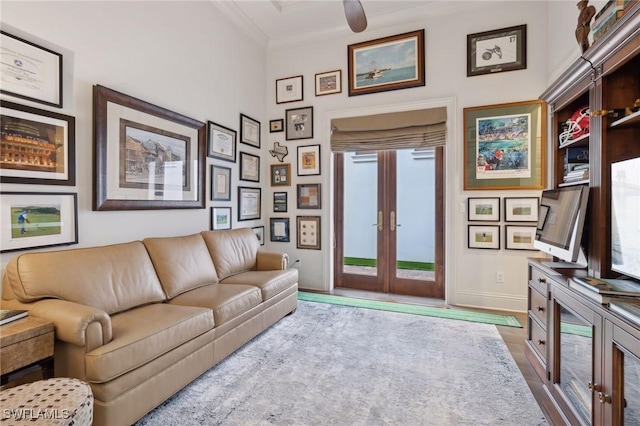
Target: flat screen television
[[625, 217], [561, 220]]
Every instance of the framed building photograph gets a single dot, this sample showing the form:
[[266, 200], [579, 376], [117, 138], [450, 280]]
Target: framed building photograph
[[519, 237], [146, 157], [299, 123], [289, 89], [483, 237], [389, 63], [521, 209], [249, 167], [483, 209], [221, 142], [328, 83], [38, 146], [308, 232], [220, 183], [505, 146], [220, 218], [30, 220], [259, 231], [280, 202], [309, 196], [249, 203], [308, 160], [279, 229], [249, 131], [496, 51], [281, 174], [276, 125]]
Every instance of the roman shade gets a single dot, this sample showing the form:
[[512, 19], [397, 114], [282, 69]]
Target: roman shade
[[425, 128]]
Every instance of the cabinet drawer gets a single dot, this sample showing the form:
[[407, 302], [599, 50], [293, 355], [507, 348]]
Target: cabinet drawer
[[538, 305], [538, 278], [538, 337]]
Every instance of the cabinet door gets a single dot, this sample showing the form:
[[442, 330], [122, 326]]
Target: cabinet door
[[620, 396]]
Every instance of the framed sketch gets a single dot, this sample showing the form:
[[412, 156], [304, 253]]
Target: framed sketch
[[521, 209], [221, 142], [30, 220], [220, 183], [505, 146], [259, 231], [483, 236], [280, 202], [309, 196], [483, 209], [30, 71], [281, 174], [249, 131], [289, 89], [308, 160], [279, 227], [249, 167], [495, 51], [276, 125], [146, 157], [389, 63], [299, 123], [308, 232], [520, 237], [249, 203], [543, 211], [220, 218], [328, 83], [38, 146]]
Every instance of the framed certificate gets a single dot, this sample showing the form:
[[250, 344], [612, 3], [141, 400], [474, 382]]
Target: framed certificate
[[221, 142]]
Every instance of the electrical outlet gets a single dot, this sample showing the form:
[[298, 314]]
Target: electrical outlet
[[500, 277]]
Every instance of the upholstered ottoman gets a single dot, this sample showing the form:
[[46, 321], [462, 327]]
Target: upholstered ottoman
[[59, 401]]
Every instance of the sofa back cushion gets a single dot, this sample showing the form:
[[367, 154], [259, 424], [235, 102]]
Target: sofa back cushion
[[182, 263], [233, 251], [111, 278]]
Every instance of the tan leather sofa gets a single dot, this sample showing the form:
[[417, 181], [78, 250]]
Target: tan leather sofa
[[140, 320]]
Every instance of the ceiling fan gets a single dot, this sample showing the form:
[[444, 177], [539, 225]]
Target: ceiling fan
[[356, 18]]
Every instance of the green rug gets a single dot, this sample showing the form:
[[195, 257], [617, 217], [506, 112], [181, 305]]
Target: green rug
[[429, 311]]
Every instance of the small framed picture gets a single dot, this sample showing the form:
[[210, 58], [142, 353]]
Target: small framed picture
[[249, 167], [280, 202], [328, 83], [220, 183], [221, 142], [308, 160], [259, 231], [483, 209], [309, 196], [520, 237], [249, 131], [220, 218], [299, 123], [543, 211], [276, 126], [484, 237], [308, 232], [496, 51], [249, 203], [521, 209], [289, 89], [279, 227], [281, 174]]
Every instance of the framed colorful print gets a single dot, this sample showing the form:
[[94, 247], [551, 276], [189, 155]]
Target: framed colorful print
[[289, 89], [299, 123], [521, 209], [328, 83], [519, 237], [30, 220], [259, 231], [276, 126], [30, 71], [249, 131], [249, 167], [309, 196], [146, 157], [280, 202], [483, 236], [249, 203], [279, 227], [281, 174], [221, 142], [38, 146], [483, 209], [388, 63], [308, 232], [220, 183], [497, 51], [308, 160], [220, 218], [505, 146]]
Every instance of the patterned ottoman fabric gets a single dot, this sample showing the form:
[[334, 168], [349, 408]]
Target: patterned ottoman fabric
[[59, 401]]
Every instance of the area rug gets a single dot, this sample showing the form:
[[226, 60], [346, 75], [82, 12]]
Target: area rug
[[339, 365]]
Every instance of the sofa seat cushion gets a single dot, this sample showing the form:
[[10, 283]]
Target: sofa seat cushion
[[269, 282], [226, 301], [143, 334]]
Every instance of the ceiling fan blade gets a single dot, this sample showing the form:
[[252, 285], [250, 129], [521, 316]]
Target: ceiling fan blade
[[356, 18]]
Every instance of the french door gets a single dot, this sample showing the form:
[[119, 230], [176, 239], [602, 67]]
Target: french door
[[389, 214]]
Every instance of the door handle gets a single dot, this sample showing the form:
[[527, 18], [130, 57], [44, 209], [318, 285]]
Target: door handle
[[392, 221], [379, 224]]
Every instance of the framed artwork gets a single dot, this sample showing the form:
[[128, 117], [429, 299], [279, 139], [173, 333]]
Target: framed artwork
[[220, 183], [299, 123], [38, 146], [281, 174], [328, 83], [289, 89], [483, 236], [276, 125], [521, 209], [520, 237], [279, 227], [279, 151], [30, 71], [220, 218], [259, 231], [30, 220], [505, 146], [280, 202], [221, 142], [497, 51], [483, 209], [389, 63], [308, 232], [543, 211], [146, 157], [308, 160], [249, 203], [309, 196], [249, 167], [249, 131]]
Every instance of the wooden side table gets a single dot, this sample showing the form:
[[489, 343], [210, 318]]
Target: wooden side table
[[26, 345]]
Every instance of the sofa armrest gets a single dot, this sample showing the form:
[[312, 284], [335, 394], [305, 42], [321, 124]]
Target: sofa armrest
[[271, 261]]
